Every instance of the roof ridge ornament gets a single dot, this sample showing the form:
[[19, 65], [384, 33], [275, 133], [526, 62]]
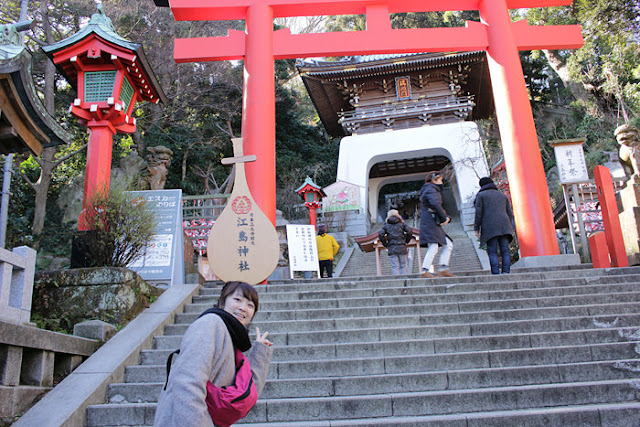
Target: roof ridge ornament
[[101, 19], [10, 33]]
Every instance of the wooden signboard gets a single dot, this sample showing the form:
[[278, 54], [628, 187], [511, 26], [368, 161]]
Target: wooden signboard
[[243, 244]]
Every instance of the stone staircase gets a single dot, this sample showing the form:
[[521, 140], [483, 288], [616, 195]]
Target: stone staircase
[[556, 347], [463, 258]]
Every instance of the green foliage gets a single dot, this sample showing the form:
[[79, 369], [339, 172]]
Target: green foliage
[[121, 228], [608, 63], [63, 324]]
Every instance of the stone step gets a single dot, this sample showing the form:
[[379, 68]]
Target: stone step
[[398, 404], [538, 347], [279, 300], [323, 290], [138, 392], [603, 415], [447, 303], [418, 319], [434, 331], [422, 362], [432, 346], [444, 402]]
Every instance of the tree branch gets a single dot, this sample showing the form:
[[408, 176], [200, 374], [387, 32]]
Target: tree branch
[[62, 159]]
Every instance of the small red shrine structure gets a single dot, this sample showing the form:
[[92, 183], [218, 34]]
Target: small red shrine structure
[[496, 34], [312, 195], [110, 75]]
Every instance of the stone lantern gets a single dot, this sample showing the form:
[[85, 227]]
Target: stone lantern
[[312, 195], [111, 74]]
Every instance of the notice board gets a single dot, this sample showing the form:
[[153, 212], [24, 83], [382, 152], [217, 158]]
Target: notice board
[[303, 248], [162, 264]]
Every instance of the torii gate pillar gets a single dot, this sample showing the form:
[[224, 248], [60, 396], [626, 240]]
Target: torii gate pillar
[[259, 108], [527, 180]]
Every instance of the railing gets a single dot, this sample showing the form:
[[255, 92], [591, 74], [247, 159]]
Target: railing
[[584, 216], [30, 357], [460, 106], [199, 213]]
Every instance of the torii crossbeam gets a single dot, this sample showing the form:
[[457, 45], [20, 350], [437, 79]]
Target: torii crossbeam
[[259, 46]]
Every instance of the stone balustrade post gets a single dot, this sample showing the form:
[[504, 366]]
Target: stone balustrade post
[[17, 269]]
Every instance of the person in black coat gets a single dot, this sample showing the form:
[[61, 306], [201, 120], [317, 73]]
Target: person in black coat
[[432, 217], [394, 235], [494, 224]]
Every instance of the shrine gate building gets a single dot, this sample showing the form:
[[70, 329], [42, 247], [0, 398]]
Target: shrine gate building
[[402, 116]]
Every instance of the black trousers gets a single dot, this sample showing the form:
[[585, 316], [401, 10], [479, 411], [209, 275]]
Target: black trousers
[[327, 264]]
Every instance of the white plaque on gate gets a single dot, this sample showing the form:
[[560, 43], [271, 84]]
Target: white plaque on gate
[[572, 167]]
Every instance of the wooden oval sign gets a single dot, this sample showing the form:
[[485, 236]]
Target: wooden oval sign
[[243, 244]]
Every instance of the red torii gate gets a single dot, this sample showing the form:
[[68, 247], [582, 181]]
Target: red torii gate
[[259, 46]]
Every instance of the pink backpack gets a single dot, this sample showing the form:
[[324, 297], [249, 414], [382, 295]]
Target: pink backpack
[[229, 404]]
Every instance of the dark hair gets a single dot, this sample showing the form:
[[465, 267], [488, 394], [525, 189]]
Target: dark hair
[[486, 180], [248, 291], [322, 228], [432, 175]]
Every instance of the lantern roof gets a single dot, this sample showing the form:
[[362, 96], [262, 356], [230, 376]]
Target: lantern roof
[[100, 27], [309, 185], [24, 122]]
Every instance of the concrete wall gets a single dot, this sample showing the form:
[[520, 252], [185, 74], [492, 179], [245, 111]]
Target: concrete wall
[[460, 142]]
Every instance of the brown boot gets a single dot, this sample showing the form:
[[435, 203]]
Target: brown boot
[[426, 274], [446, 273]]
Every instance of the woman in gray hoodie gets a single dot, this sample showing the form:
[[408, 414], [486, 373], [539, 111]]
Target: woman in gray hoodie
[[207, 354]]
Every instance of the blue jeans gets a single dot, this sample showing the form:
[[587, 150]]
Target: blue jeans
[[398, 264], [492, 250]]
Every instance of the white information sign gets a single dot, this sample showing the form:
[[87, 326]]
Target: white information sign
[[572, 167], [303, 249]]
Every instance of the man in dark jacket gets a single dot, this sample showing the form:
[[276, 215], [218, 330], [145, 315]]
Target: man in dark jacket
[[395, 235], [494, 224], [432, 217]]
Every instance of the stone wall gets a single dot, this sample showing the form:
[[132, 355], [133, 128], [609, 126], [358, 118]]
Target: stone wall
[[113, 295]]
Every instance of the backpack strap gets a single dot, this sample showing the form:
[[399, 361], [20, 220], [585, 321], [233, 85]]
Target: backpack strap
[[169, 359]]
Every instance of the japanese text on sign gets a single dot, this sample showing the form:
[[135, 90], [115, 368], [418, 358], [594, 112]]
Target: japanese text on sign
[[572, 167]]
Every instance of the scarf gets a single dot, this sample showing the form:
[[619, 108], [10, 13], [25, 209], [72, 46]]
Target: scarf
[[239, 335]]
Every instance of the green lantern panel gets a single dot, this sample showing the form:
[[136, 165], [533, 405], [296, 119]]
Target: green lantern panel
[[126, 94], [98, 85]]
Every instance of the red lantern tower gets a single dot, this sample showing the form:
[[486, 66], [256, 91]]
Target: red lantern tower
[[312, 195], [110, 75]]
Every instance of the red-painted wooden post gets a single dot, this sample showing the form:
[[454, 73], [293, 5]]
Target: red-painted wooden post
[[610, 216], [527, 181], [599, 250], [259, 108], [98, 169]]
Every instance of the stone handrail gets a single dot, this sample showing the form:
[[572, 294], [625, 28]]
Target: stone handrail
[[30, 359], [17, 269]]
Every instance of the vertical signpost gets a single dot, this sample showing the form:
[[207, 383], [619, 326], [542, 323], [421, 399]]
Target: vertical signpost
[[163, 262], [572, 169]]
